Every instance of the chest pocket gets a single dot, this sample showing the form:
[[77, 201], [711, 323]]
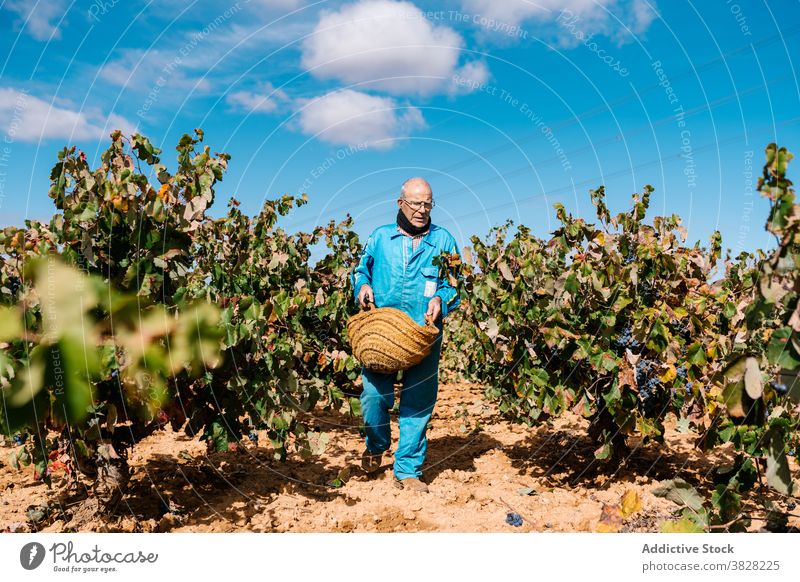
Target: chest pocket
[[431, 278]]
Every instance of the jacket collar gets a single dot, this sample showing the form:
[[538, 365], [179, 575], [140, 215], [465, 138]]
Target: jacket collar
[[425, 238]]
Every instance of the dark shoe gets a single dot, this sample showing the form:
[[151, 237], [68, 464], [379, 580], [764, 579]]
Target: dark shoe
[[370, 461], [411, 484]]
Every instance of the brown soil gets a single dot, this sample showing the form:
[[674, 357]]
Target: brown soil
[[477, 464]]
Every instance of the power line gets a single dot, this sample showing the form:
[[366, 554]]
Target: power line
[[594, 145], [595, 111], [595, 180], [624, 99], [623, 171]]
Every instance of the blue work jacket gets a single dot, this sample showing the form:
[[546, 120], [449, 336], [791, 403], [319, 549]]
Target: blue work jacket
[[404, 278]]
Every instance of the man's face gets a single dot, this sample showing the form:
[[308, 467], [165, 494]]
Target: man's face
[[415, 205]]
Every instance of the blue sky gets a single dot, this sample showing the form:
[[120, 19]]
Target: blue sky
[[505, 107]]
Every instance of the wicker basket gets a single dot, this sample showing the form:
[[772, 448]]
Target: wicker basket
[[385, 339]]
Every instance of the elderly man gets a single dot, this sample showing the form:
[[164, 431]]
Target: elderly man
[[397, 270]]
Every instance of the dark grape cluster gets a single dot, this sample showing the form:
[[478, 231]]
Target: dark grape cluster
[[644, 368], [779, 387], [688, 387], [14, 284], [253, 436], [626, 340], [514, 519], [19, 439], [629, 258], [650, 386], [681, 372]]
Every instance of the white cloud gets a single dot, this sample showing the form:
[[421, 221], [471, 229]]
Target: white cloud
[[187, 60], [469, 77], [643, 15], [383, 44], [515, 11], [144, 70], [350, 117], [266, 100], [593, 15], [203, 58], [218, 52], [27, 118], [37, 16]]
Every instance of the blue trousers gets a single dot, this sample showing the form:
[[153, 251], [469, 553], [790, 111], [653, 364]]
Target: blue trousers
[[417, 398]]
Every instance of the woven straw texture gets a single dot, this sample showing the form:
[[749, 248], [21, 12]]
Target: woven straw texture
[[386, 340]]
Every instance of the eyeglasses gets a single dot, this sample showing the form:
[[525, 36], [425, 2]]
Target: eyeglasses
[[417, 206]]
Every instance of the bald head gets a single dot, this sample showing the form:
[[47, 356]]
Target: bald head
[[415, 185]]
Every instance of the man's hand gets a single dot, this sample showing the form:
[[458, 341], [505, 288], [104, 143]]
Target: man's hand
[[365, 295], [434, 308]]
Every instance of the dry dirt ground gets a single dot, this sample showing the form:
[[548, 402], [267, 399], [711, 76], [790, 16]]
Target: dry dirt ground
[[479, 468]]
